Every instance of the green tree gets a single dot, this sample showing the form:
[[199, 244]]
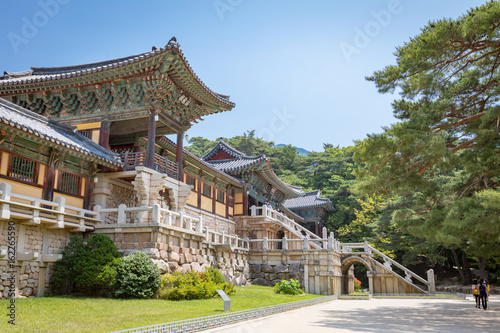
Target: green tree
[[448, 79]]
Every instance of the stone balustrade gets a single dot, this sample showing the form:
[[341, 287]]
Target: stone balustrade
[[34, 211]]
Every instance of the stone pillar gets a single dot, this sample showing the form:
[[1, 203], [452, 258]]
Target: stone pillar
[[432, 281], [150, 150], [104, 137], [370, 282], [178, 155]]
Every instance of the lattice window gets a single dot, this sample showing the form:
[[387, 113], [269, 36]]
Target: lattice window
[[69, 183], [220, 196], [207, 190], [22, 169], [191, 181]]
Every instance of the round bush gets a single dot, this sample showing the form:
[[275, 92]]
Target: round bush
[[137, 277], [291, 287]]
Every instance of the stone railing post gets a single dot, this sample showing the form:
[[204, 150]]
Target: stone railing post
[[4, 207], [199, 226], [330, 243], [306, 243], [155, 214], [324, 233], [223, 235], [181, 220], [60, 209], [170, 217], [97, 209], [253, 211], [122, 216], [36, 212], [189, 223], [265, 245], [264, 210], [285, 244], [432, 281]]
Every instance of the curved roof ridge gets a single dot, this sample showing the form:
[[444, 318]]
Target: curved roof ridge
[[222, 145], [41, 74]]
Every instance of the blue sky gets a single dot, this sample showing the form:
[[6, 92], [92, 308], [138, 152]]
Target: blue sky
[[295, 69]]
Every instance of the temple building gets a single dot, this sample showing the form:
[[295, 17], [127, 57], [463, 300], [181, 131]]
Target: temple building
[[83, 149], [312, 208]]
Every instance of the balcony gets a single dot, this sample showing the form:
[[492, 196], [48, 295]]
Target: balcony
[[161, 163]]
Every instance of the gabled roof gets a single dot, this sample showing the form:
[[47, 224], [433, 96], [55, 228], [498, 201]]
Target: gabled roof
[[193, 158], [240, 162], [180, 72], [53, 131], [222, 145], [309, 200]]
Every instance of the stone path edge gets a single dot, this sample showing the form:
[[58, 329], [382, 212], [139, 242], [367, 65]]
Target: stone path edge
[[204, 323]]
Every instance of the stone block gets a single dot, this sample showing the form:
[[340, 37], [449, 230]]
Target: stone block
[[23, 284], [260, 282], [239, 268], [274, 282], [254, 268], [186, 267], [152, 252], [256, 275], [26, 292], [172, 266], [283, 276], [201, 259], [196, 267], [271, 276], [173, 256], [162, 265], [226, 276], [164, 255], [188, 257], [23, 277], [280, 269]]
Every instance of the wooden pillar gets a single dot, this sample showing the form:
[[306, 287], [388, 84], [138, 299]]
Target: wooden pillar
[[88, 193], [150, 150], [48, 183], [198, 204], [104, 137], [245, 203], [137, 146], [178, 154]]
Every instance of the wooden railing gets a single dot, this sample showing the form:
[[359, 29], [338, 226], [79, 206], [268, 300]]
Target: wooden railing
[[55, 214], [161, 163]]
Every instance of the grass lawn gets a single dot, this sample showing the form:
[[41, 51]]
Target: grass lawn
[[69, 314]]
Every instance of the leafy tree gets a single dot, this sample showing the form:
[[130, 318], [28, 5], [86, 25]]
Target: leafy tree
[[445, 150], [200, 146]]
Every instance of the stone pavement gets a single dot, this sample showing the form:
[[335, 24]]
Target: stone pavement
[[379, 315]]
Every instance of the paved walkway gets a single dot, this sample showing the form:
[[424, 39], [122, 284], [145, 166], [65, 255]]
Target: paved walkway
[[379, 315]]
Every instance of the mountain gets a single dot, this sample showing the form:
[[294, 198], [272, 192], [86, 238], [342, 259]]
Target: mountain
[[302, 151]]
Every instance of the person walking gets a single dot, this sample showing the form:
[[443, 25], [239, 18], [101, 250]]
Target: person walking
[[483, 293], [475, 293]]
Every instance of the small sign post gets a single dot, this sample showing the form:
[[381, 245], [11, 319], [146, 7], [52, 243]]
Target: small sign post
[[227, 301]]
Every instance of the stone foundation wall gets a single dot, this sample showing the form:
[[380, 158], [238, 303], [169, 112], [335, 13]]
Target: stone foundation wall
[[31, 273], [213, 222], [233, 265], [267, 275]]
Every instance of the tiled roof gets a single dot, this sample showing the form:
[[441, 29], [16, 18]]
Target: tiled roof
[[50, 130], [222, 145], [233, 165], [309, 200], [41, 74], [199, 160]]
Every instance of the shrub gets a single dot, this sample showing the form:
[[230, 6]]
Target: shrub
[[94, 263], [137, 277], [357, 284], [63, 278], [92, 266], [193, 285], [291, 287]]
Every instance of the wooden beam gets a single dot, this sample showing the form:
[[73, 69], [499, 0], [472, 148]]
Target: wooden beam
[[104, 137]]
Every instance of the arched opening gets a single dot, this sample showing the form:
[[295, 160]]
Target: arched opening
[[352, 267]]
